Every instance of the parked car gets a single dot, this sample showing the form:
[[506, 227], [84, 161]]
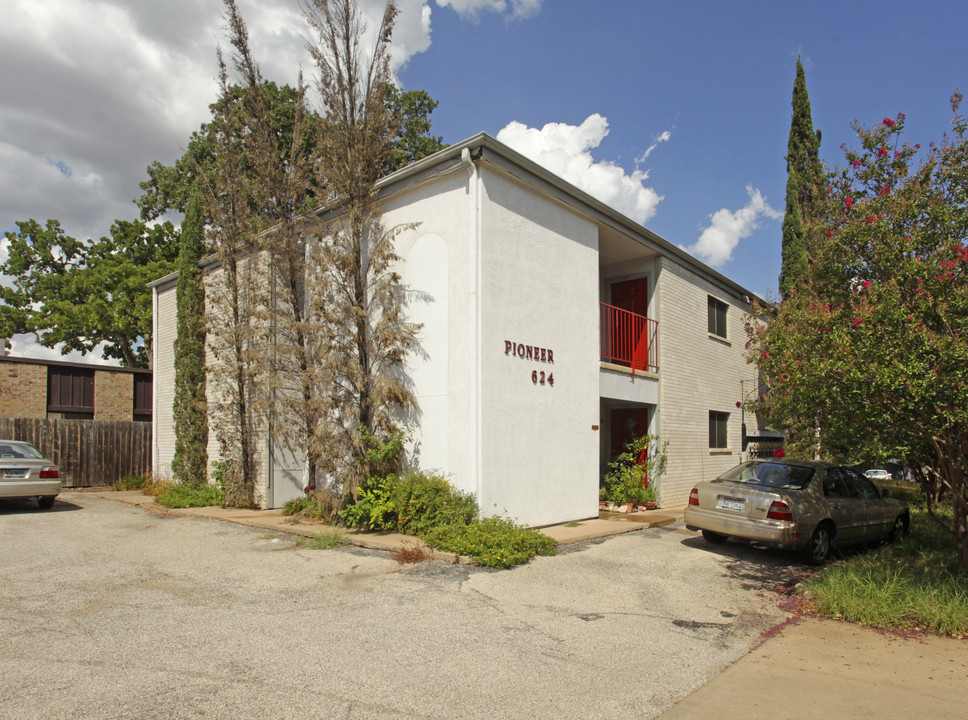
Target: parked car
[[878, 474], [25, 473], [795, 504]]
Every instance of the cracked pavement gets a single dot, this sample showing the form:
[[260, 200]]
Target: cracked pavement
[[109, 611]]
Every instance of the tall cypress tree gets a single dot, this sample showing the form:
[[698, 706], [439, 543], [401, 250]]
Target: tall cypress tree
[[190, 409], [804, 174]]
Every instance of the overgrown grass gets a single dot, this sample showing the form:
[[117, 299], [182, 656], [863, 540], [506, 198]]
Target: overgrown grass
[[183, 495], [132, 482], [915, 584]]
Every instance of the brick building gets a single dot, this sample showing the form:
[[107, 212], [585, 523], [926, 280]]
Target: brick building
[[32, 388]]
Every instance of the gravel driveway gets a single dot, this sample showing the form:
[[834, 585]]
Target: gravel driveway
[[110, 611]]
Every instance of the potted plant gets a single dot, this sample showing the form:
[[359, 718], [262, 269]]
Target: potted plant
[[632, 476], [648, 497]]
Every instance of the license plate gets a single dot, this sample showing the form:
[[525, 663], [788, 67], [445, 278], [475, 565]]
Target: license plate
[[14, 474], [732, 503]]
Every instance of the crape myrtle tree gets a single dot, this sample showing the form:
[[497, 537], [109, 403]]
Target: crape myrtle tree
[[357, 293], [190, 408], [804, 182], [78, 294], [873, 346]]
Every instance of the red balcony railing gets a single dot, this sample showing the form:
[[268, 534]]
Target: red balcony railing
[[628, 339]]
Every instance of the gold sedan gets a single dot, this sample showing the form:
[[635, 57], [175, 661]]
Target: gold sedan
[[795, 504]]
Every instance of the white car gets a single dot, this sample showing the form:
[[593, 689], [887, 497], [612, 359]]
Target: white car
[[26, 474], [878, 474]]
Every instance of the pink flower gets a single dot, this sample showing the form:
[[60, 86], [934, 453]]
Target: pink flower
[[882, 152], [856, 163], [866, 284], [739, 404], [870, 218], [848, 203], [764, 354], [897, 154], [889, 123], [885, 190], [858, 321], [830, 233], [779, 453]]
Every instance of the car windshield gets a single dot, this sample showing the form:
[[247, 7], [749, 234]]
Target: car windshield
[[18, 450], [770, 474]]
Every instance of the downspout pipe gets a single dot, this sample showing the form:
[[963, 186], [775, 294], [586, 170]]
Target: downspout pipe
[[474, 306]]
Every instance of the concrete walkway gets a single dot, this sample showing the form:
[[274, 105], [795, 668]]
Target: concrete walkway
[[273, 520]]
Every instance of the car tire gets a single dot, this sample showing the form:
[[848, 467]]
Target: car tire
[[899, 530], [714, 537], [817, 550], [46, 502]]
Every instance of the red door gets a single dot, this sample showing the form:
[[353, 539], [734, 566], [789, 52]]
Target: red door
[[627, 425], [632, 337]]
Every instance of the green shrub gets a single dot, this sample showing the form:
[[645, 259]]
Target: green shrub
[[493, 542], [412, 504], [182, 495]]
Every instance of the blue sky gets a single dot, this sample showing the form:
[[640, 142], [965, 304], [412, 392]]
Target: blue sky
[[718, 77], [688, 102]]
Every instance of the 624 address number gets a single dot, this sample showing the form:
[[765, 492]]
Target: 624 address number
[[538, 377]]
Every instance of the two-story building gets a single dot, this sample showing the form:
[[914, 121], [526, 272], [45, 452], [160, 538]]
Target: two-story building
[[552, 327]]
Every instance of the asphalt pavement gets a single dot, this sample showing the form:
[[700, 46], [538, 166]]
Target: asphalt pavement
[[110, 610]]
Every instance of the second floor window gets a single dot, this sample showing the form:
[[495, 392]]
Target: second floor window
[[717, 317]]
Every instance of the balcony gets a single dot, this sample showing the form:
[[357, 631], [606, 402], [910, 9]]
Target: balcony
[[628, 339]]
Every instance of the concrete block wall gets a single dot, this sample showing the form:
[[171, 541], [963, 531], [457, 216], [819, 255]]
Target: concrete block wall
[[698, 373], [23, 390]]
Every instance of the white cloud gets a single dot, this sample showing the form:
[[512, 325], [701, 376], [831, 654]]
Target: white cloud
[[664, 137], [519, 9], [717, 242], [566, 151]]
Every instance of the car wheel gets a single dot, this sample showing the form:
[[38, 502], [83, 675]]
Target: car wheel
[[817, 550], [899, 530], [714, 537], [46, 502]]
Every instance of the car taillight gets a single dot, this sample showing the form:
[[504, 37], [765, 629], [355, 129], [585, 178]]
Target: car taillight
[[779, 511], [694, 497], [49, 473]]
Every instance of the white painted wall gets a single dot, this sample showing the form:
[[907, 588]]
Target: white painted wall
[[539, 287], [163, 381]]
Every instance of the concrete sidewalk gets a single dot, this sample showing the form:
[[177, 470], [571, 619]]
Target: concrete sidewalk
[[273, 520], [818, 668]]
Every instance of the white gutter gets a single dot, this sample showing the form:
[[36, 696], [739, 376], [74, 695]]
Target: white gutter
[[474, 280]]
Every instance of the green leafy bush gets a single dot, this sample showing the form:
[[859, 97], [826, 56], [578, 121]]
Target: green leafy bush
[[493, 542], [183, 495], [413, 503]]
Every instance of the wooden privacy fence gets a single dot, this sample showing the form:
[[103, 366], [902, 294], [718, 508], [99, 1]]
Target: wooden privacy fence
[[89, 452]]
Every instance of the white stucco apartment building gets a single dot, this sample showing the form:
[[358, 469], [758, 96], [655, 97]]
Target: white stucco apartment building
[[551, 324]]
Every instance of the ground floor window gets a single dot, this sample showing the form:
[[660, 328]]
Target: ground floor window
[[718, 423]]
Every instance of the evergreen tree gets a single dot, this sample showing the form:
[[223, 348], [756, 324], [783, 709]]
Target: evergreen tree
[[803, 186], [190, 408]]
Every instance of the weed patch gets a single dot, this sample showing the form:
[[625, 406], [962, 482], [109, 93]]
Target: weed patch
[[915, 584], [493, 542], [410, 552], [180, 495]]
